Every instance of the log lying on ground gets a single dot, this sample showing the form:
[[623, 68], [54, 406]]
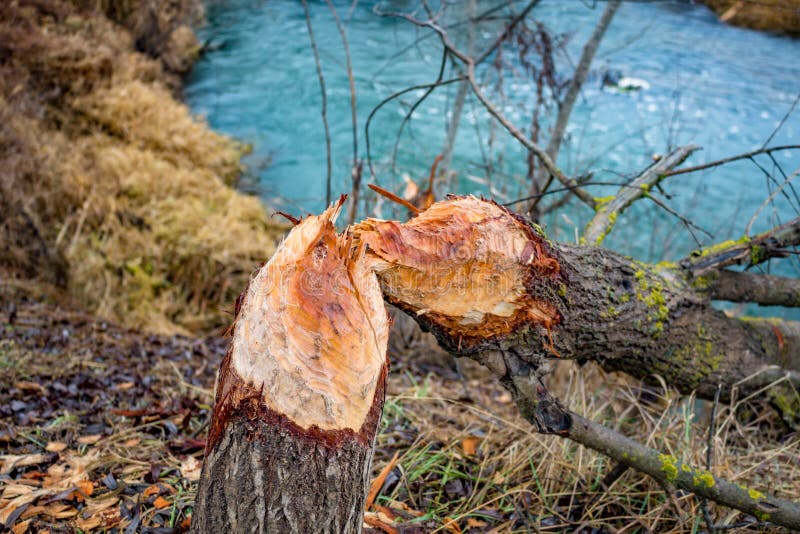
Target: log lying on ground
[[481, 278], [299, 394]]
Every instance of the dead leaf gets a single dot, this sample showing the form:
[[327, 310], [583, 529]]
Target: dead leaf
[[373, 520], [451, 525], [55, 446], [15, 490], [151, 490], [12, 461], [31, 387], [190, 468], [475, 523], [90, 440], [377, 484], [161, 502], [89, 523], [21, 528], [469, 445]]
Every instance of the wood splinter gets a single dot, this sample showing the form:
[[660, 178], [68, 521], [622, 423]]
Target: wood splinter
[[300, 393]]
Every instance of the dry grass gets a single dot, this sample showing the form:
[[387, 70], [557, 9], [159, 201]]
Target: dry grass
[[781, 16], [129, 410], [110, 187]]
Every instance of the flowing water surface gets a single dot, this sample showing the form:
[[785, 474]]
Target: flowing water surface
[[726, 89]]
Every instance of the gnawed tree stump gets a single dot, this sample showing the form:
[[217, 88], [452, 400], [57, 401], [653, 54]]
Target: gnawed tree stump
[[299, 394]]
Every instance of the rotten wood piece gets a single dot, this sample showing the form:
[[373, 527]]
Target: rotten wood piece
[[300, 392]]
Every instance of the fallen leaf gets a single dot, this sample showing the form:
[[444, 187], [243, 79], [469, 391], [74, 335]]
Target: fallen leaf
[[475, 523], [372, 520], [469, 445], [12, 461], [31, 387], [89, 523], [190, 468], [151, 490], [90, 440], [21, 528], [55, 446], [161, 502], [377, 484], [451, 525]]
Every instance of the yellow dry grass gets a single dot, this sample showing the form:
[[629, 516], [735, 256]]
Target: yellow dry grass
[[114, 187], [781, 16]]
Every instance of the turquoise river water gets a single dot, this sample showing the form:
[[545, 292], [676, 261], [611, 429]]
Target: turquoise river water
[[723, 88]]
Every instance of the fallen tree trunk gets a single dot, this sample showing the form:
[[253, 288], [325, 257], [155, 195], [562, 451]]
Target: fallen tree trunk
[[490, 286], [299, 394], [481, 279]]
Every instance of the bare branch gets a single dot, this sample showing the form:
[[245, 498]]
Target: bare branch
[[746, 251], [764, 289], [607, 212], [324, 94], [539, 152], [717, 163], [581, 71], [667, 469], [548, 416]]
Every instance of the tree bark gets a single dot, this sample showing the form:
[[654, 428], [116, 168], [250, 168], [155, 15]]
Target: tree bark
[[299, 394]]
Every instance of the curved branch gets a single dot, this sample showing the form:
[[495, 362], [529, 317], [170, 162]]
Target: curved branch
[[746, 155], [607, 212], [548, 416]]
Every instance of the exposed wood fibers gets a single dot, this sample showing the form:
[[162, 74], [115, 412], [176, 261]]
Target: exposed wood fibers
[[309, 339], [468, 265]]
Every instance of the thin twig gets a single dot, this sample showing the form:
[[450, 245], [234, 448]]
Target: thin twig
[[356, 170], [730, 159], [324, 94]]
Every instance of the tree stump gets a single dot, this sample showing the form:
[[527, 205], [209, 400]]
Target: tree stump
[[300, 393]]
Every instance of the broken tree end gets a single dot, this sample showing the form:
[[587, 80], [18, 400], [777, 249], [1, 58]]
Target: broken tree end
[[469, 270]]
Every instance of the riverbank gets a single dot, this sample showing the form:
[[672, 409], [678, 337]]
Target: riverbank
[[778, 16], [112, 195]]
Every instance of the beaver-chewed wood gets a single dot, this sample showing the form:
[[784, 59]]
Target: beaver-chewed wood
[[300, 392], [482, 280]]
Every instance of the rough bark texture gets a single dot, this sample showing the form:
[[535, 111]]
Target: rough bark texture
[[299, 394], [263, 473]]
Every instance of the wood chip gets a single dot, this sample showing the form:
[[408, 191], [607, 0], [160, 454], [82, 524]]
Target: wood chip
[[377, 484], [190, 468], [470, 445]]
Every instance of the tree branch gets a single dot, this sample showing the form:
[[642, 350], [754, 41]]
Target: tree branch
[[763, 289], [581, 71], [548, 416], [746, 251], [717, 163], [607, 212], [538, 151]]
